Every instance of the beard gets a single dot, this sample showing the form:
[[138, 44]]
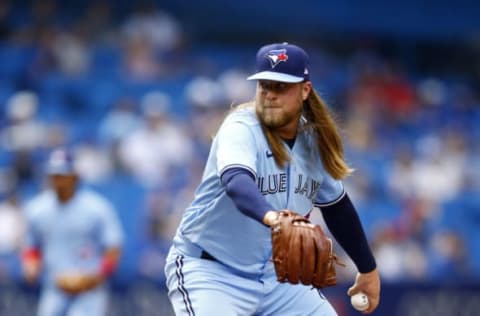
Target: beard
[[275, 117]]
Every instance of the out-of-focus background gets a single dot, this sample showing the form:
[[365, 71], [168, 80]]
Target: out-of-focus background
[[139, 88]]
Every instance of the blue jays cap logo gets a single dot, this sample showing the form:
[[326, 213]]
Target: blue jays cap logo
[[275, 56], [281, 62]]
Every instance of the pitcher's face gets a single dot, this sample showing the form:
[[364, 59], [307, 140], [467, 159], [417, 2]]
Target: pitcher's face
[[279, 104]]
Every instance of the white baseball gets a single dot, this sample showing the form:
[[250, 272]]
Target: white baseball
[[360, 301]]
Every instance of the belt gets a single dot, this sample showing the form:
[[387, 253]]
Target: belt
[[190, 249], [207, 256]]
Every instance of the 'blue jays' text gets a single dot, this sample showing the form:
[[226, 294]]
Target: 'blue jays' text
[[274, 183]]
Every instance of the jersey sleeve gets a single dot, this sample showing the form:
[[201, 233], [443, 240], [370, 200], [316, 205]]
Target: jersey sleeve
[[236, 148], [330, 192], [111, 234]]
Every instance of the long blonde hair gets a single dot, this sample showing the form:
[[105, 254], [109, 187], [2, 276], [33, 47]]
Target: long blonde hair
[[320, 120]]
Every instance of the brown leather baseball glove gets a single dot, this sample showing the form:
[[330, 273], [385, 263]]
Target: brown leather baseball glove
[[302, 252]]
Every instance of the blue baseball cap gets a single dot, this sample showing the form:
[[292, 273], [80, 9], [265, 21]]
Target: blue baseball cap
[[60, 162], [281, 62]]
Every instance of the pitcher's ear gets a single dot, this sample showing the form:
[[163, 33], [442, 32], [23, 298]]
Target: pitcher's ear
[[306, 89]]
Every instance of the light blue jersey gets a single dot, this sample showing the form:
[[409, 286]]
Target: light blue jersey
[[72, 238], [214, 224], [220, 262], [239, 277]]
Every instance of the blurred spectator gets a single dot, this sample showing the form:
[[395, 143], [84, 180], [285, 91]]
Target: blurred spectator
[[12, 232], [8, 181], [155, 26], [397, 92], [432, 92], [151, 38], [24, 133], [382, 84], [437, 175], [152, 152], [43, 60], [92, 162], [12, 226], [399, 258], [203, 92], [140, 61], [448, 256], [402, 174], [71, 52], [117, 124], [472, 177], [237, 90], [207, 99]]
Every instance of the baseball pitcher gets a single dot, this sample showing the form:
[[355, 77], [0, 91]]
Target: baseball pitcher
[[245, 245]]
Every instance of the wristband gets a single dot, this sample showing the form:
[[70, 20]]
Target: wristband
[[108, 266], [31, 255]]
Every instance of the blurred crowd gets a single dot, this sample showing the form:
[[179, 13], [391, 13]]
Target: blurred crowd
[[139, 102]]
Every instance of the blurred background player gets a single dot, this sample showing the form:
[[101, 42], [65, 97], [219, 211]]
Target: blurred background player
[[74, 242]]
